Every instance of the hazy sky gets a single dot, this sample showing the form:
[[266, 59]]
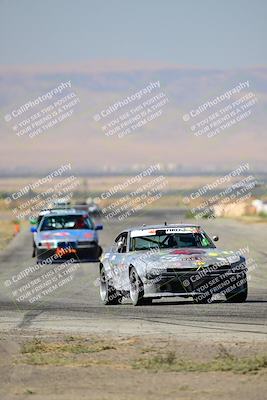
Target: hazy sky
[[223, 34]]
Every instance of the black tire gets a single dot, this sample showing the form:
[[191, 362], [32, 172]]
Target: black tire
[[99, 252], [108, 294], [33, 249], [137, 289], [34, 252], [238, 297], [96, 253]]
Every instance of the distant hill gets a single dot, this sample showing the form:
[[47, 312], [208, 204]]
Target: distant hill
[[167, 139]]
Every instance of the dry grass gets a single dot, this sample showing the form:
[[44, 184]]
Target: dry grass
[[224, 362], [38, 352], [77, 351], [6, 233]]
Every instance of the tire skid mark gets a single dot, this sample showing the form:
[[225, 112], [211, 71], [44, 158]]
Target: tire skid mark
[[28, 318], [201, 326]]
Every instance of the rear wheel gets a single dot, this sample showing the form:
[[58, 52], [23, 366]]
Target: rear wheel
[[108, 294], [239, 296], [97, 253], [137, 290]]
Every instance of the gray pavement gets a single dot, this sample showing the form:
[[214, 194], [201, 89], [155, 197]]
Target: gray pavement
[[76, 307]]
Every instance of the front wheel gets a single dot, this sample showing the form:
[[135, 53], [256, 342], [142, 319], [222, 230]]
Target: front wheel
[[240, 296], [34, 252], [108, 294], [137, 289], [99, 252]]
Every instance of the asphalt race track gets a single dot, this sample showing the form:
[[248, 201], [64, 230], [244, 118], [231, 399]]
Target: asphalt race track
[[76, 307]]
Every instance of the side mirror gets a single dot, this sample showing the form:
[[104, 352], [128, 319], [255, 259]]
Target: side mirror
[[99, 227], [215, 238], [33, 229], [120, 244]]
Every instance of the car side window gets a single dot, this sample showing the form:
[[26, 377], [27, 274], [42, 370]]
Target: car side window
[[122, 238], [124, 247], [114, 247]]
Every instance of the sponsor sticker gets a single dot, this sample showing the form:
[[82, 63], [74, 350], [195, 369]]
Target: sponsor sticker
[[144, 232], [181, 230]]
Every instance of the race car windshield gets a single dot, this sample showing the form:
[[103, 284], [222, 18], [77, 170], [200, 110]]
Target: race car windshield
[[171, 241], [66, 222]]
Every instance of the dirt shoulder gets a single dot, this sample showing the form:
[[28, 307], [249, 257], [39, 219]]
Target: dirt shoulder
[[10, 228], [7, 232], [60, 366]]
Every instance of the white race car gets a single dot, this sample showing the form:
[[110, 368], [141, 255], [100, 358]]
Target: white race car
[[151, 262]]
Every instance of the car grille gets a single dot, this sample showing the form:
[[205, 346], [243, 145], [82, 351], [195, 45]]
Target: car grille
[[63, 245], [209, 269]]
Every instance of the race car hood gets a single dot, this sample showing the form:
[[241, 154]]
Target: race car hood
[[68, 235], [187, 258]]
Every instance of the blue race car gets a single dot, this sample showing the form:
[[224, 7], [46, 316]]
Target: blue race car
[[67, 234]]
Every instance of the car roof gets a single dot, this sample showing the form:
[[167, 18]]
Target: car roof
[[65, 212], [46, 211], [162, 226]]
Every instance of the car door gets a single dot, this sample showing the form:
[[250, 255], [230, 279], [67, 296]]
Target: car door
[[116, 260], [123, 266]]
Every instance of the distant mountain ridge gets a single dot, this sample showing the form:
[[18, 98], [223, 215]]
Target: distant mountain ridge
[[167, 139]]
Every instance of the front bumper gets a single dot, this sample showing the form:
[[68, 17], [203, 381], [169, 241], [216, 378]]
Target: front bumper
[[70, 250], [189, 282]]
